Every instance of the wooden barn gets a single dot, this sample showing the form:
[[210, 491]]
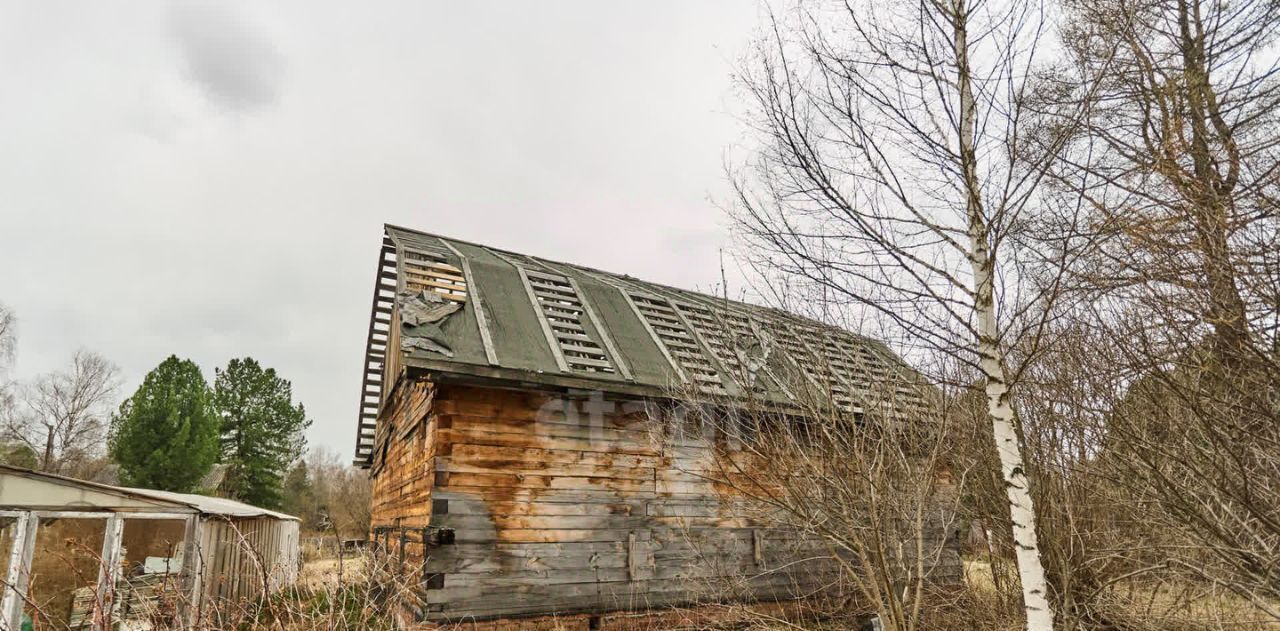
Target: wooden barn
[[510, 418]]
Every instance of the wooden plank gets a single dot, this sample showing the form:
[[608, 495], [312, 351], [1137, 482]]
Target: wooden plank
[[562, 332], [544, 276], [582, 549], [548, 506], [478, 437], [485, 567], [499, 467], [521, 455], [550, 482], [587, 361], [451, 292], [536, 408], [581, 349], [436, 271], [546, 430], [543, 522], [553, 292], [475, 595], [571, 312], [536, 535], [570, 327], [435, 279]]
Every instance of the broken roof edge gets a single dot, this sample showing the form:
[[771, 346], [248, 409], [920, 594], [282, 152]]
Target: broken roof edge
[[196, 504], [444, 372]]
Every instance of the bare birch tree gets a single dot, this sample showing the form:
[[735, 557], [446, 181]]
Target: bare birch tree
[[64, 413], [8, 343], [8, 337], [899, 173]]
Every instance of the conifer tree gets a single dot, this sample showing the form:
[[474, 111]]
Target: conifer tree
[[165, 436], [262, 431]]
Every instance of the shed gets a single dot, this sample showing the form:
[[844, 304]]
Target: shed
[[506, 414], [73, 550]]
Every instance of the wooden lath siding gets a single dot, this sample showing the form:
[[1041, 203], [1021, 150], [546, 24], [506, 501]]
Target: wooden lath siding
[[558, 301], [429, 270], [677, 342], [401, 487], [508, 503], [720, 334], [562, 309], [853, 374], [403, 478], [376, 350]]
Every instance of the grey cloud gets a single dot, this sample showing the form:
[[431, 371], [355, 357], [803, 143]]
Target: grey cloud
[[580, 130], [234, 64]]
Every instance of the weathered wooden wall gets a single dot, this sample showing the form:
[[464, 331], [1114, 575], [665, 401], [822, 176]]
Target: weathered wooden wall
[[237, 554], [505, 503]]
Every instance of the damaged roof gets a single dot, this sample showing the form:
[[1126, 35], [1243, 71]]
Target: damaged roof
[[450, 308]]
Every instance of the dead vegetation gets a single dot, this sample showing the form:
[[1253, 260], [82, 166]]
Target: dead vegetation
[[1078, 240]]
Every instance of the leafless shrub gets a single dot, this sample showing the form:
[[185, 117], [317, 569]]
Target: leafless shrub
[[340, 496], [1116, 453], [867, 498]]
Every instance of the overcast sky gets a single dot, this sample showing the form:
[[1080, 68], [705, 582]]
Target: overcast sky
[[210, 180]]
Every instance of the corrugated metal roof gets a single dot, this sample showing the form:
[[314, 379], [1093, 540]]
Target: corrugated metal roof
[[188, 501], [530, 320], [209, 505]]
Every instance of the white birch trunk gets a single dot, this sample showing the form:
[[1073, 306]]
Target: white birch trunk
[[1021, 510], [999, 407]]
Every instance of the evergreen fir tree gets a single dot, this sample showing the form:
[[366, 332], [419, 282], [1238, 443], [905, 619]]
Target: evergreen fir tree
[[165, 436], [262, 431]]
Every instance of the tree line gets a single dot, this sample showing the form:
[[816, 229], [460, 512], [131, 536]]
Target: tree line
[[170, 434]]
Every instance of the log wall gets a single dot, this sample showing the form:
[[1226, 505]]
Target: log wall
[[498, 503]]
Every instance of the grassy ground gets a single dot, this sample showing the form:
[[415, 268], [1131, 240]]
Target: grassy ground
[[1158, 605], [321, 573], [322, 599]]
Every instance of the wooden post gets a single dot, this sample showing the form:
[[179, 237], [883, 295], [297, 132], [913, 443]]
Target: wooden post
[[192, 572], [108, 572], [632, 561], [23, 546], [403, 540]]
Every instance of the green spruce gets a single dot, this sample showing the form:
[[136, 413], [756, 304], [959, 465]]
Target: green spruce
[[165, 436], [262, 431]]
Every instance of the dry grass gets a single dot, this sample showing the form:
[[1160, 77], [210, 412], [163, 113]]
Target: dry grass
[[323, 573], [1146, 604]]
